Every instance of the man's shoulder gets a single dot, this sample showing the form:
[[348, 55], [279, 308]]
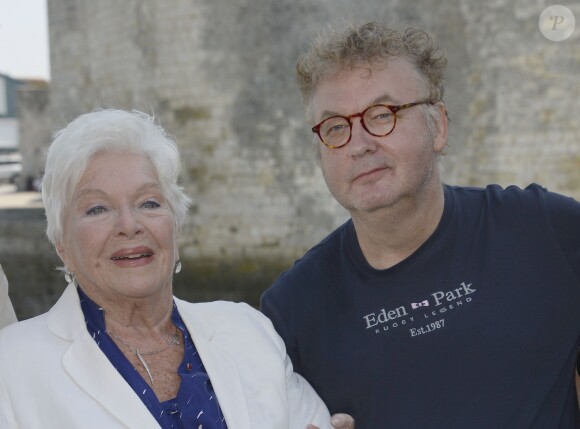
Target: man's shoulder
[[512, 206], [494, 190], [498, 196]]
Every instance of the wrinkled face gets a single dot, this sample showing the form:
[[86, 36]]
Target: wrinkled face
[[371, 173], [119, 234]]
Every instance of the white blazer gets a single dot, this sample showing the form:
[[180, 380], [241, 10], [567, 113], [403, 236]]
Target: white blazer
[[54, 376]]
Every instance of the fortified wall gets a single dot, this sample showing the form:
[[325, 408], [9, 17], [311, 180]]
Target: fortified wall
[[220, 76]]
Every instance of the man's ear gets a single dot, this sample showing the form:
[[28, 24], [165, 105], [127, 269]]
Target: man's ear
[[441, 131]]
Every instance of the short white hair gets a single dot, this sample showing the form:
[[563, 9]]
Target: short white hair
[[104, 130]]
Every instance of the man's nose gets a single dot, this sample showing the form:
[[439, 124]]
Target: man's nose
[[361, 142]]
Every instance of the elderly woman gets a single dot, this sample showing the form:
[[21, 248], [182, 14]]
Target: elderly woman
[[118, 350]]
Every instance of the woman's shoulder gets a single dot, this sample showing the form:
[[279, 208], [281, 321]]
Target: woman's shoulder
[[228, 318], [226, 310]]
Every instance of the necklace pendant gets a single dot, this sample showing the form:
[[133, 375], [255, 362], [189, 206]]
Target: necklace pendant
[[144, 365]]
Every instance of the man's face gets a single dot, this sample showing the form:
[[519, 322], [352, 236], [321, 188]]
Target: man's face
[[371, 173]]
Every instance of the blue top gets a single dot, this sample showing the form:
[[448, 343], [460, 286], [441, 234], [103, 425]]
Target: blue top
[[479, 328], [196, 404]]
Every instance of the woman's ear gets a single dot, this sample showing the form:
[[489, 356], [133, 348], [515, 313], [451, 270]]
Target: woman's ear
[[60, 250]]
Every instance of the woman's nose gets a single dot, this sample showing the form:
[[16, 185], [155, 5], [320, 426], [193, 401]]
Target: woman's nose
[[128, 223]]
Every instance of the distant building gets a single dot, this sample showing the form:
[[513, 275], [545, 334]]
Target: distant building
[[34, 129], [9, 111], [24, 126]]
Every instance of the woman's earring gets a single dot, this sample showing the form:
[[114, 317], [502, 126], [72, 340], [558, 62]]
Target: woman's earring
[[69, 277], [177, 267]]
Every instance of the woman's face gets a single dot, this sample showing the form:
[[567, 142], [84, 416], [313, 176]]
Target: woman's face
[[119, 232]]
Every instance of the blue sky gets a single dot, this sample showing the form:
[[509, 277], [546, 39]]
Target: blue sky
[[24, 39]]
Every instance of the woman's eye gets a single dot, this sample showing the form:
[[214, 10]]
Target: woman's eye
[[151, 205], [96, 210]]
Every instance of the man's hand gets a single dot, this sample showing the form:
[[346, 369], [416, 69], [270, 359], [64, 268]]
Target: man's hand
[[338, 421]]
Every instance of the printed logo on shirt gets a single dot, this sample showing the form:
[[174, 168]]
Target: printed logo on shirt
[[421, 317]]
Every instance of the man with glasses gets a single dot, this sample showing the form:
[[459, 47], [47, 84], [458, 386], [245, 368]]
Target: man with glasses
[[433, 306]]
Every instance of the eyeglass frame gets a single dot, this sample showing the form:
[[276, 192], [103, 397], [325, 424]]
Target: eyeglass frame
[[392, 108]]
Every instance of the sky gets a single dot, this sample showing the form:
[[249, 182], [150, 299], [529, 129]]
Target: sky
[[24, 51]]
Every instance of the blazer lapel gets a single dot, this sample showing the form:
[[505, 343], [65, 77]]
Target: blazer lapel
[[93, 372], [91, 369], [220, 366]]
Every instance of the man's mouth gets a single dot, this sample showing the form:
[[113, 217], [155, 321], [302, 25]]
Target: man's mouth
[[369, 173]]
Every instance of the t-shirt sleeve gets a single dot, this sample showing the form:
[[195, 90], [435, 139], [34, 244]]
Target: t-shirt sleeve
[[564, 215]]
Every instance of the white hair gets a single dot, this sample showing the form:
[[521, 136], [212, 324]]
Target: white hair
[[74, 146]]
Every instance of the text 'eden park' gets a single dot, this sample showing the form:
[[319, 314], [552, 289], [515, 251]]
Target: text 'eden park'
[[437, 298]]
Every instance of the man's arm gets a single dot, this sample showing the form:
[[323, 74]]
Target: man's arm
[[7, 314]]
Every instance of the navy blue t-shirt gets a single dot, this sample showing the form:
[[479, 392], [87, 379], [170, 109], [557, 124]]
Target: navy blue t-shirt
[[478, 328]]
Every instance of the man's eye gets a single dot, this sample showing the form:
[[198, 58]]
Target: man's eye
[[96, 210], [337, 128], [382, 117], [332, 128]]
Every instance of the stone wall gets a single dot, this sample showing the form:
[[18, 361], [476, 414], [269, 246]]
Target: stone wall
[[219, 74], [29, 261], [524, 108], [35, 131]]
